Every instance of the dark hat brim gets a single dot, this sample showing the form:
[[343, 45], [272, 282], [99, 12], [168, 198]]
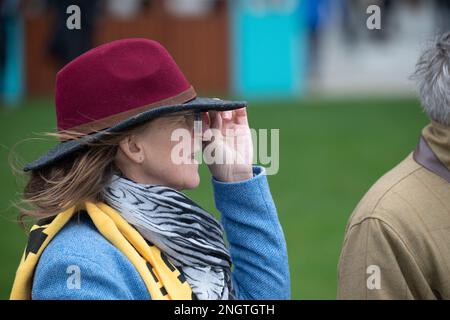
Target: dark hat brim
[[67, 148]]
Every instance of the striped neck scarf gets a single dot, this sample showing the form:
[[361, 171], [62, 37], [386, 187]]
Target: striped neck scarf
[[190, 236]]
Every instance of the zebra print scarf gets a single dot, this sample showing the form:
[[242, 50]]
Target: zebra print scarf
[[189, 235]]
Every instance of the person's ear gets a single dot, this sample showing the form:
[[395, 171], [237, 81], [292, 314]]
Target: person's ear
[[132, 149]]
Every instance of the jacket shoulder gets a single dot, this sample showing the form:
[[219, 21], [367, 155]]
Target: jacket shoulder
[[104, 271], [390, 193], [80, 237]]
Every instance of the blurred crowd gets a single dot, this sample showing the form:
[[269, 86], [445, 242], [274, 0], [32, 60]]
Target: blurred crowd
[[322, 17]]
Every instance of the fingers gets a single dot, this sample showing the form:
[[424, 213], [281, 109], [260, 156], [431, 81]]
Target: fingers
[[216, 119], [227, 115], [241, 116], [241, 112], [214, 123], [221, 119], [206, 122]]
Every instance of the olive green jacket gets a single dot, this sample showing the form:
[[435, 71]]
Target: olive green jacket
[[397, 241]]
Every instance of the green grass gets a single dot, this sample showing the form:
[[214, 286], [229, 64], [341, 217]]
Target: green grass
[[331, 151]]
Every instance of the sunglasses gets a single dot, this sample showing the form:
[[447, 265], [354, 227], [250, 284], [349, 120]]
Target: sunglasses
[[192, 119]]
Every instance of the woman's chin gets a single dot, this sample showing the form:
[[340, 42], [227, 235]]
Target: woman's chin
[[192, 182], [190, 179]]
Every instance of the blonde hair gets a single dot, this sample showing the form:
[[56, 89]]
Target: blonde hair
[[71, 180]]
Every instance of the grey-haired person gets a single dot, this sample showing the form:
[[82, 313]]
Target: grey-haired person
[[397, 242]]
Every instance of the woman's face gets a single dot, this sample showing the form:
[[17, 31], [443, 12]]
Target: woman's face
[[162, 153]]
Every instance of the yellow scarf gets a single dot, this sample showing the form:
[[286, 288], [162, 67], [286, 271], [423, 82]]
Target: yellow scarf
[[161, 278]]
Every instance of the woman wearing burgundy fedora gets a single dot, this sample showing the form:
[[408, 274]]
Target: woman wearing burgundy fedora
[[111, 220]]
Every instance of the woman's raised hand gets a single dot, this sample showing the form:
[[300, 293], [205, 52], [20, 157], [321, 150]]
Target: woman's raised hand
[[227, 145]]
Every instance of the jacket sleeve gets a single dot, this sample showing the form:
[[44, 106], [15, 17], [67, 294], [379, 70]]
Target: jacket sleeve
[[257, 244], [376, 263]]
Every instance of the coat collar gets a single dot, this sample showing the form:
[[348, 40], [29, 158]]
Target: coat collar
[[437, 136]]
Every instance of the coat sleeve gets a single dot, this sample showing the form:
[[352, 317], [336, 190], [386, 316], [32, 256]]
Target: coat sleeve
[[376, 263], [257, 243]]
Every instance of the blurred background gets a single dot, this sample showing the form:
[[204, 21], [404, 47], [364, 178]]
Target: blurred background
[[339, 93]]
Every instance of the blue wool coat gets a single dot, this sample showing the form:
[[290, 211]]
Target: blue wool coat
[[248, 215]]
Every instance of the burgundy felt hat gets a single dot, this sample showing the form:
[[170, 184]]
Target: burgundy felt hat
[[118, 85]]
